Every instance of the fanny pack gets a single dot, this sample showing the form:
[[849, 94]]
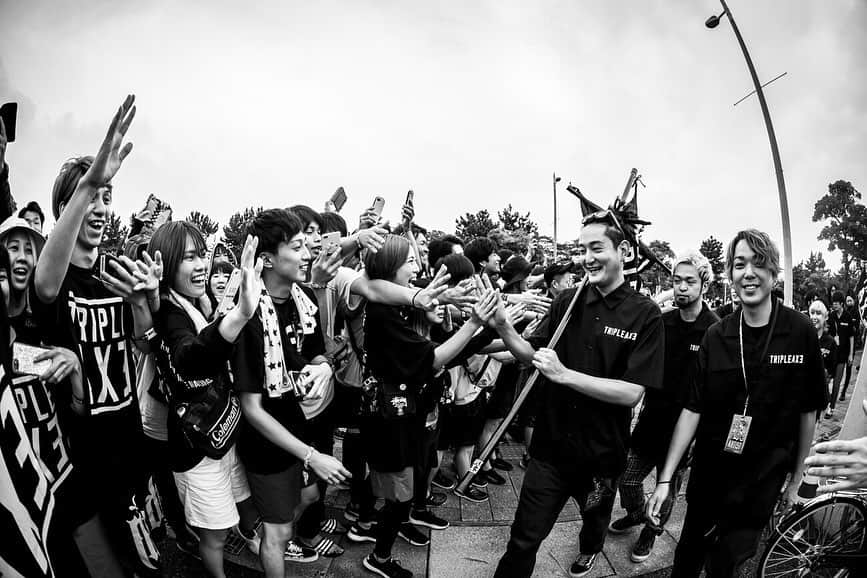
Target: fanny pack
[[210, 423], [387, 400]]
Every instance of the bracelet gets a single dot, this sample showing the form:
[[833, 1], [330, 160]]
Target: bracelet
[[149, 334], [310, 452], [661, 483], [412, 301]]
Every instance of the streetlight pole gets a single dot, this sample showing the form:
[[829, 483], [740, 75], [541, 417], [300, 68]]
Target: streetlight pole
[[556, 180], [713, 22]]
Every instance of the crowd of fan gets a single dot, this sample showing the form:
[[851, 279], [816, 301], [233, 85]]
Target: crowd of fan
[[178, 383]]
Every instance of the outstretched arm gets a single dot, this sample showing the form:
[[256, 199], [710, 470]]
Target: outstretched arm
[[57, 253]]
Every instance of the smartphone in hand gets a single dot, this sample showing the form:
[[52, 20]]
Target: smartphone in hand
[[338, 199], [23, 359], [331, 242], [378, 205]]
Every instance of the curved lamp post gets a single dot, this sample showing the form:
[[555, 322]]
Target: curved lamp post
[[713, 22]]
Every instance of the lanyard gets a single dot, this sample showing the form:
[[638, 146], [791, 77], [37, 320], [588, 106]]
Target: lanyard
[[775, 308]]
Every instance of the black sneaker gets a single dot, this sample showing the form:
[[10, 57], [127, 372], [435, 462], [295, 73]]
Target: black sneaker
[[479, 481], [644, 546], [295, 552], [412, 535], [493, 477], [427, 519], [501, 464], [473, 494], [358, 533], [388, 569], [624, 524], [443, 482], [435, 499], [582, 565]]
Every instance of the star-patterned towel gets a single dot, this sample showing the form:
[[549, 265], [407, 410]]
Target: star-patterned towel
[[275, 367]]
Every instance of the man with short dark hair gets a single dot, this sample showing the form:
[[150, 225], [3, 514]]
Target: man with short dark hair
[[842, 325], [482, 251], [610, 351], [442, 246], [32, 213]]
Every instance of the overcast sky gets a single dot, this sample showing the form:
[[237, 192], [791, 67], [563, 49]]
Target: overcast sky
[[472, 104]]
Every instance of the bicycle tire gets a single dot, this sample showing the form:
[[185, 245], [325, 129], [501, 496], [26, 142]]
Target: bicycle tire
[[801, 543]]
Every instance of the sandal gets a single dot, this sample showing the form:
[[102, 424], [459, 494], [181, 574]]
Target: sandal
[[324, 546], [332, 526]]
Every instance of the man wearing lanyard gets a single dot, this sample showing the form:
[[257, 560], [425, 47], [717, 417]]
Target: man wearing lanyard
[[752, 408], [610, 351]]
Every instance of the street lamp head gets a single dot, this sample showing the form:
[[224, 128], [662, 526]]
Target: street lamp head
[[713, 21], [556, 179]]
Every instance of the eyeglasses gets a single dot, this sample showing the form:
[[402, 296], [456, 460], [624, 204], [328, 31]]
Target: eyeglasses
[[602, 216]]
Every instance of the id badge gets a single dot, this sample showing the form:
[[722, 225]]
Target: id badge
[[737, 438]]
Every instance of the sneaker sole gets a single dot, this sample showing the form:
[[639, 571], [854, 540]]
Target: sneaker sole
[[415, 522], [580, 574], [618, 531], [371, 568], [411, 543], [358, 539], [442, 487], [639, 558], [301, 560], [467, 498]]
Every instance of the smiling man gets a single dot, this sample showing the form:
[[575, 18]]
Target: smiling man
[[752, 408], [611, 350]]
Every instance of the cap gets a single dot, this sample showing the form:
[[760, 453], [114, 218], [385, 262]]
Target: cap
[[515, 270], [16, 223], [558, 269]]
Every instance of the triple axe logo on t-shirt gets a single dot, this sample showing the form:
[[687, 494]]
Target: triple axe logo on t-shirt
[[106, 361]]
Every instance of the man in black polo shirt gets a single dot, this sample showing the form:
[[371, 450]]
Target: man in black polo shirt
[[843, 327], [685, 327], [752, 408], [611, 350]]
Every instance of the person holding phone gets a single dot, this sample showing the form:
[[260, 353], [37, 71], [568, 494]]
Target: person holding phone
[[102, 320]]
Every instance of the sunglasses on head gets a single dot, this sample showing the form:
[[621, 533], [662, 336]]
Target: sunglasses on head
[[603, 216]]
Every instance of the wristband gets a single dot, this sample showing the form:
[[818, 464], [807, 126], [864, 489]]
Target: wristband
[[310, 452], [149, 334], [412, 301]]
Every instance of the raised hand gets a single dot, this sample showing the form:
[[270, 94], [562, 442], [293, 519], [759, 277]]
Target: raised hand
[[251, 278], [122, 280], [372, 238], [462, 294], [368, 219], [111, 154], [325, 267], [485, 307], [314, 379], [407, 214], [149, 272], [428, 298]]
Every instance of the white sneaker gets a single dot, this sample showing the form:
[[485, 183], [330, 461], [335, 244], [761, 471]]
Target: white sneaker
[[254, 542]]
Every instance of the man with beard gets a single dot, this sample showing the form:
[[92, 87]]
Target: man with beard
[[610, 352], [685, 327]]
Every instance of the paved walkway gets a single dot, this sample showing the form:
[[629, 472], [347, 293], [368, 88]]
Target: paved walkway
[[477, 537]]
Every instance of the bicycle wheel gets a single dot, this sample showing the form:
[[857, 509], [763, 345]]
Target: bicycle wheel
[[802, 543]]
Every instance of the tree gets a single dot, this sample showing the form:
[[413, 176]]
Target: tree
[[235, 232], [847, 226], [513, 221], [810, 279], [472, 225], [114, 235], [654, 277], [205, 224], [713, 249]]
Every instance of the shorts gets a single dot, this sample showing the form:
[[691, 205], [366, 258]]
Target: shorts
[[462, 424], [210, 489], [277, 495], [394, 486]]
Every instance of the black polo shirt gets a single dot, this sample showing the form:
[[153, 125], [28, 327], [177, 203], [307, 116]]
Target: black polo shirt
[[652, 434], [787, 382], [618, 336], [843, 327]]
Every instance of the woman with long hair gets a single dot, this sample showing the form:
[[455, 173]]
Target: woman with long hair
[[400, 364], [193, 361], [819, 316]]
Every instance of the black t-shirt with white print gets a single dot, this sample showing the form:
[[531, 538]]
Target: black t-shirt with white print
[[98, 326], [248, 366]]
